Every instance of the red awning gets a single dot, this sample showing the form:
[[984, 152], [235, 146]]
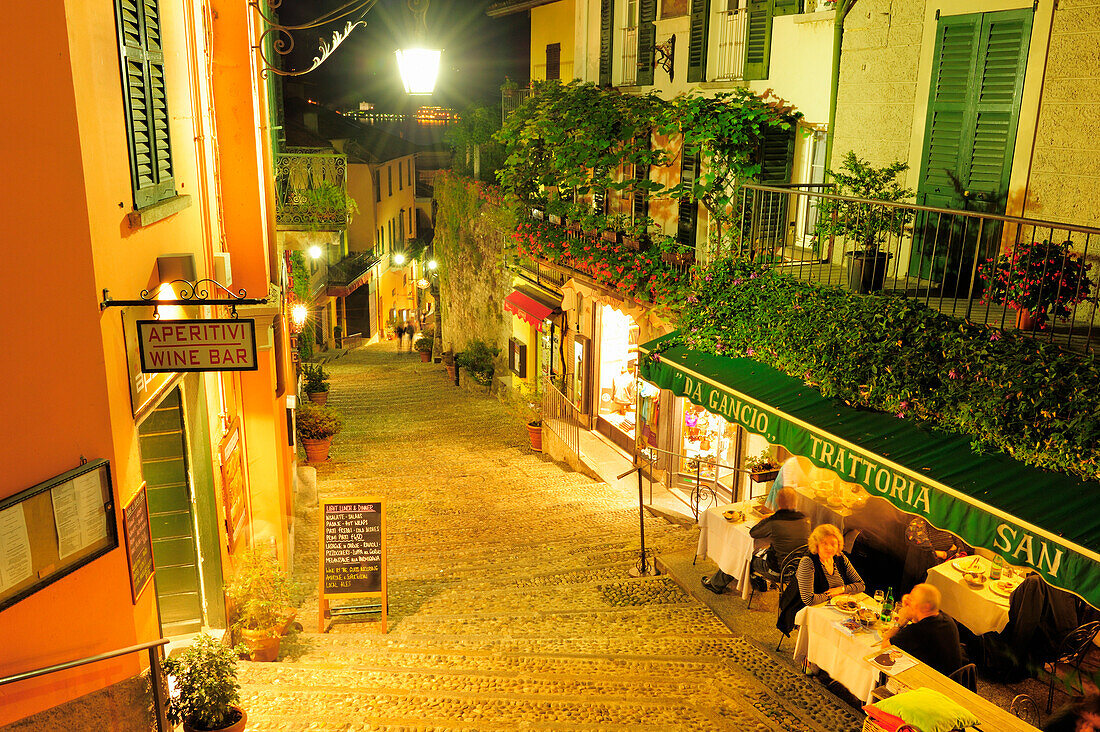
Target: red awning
[[528, 308]]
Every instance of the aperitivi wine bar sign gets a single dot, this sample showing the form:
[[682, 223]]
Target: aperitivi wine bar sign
[[197, 345]]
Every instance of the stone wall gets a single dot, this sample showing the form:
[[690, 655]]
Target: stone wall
[[473, 285], [1065, 167], [124, 707], [876, 98]]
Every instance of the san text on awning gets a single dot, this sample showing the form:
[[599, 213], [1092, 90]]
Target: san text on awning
[[1045, 520], [530, 305]]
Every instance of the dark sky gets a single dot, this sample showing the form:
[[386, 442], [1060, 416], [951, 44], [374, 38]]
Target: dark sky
[[478, 52]]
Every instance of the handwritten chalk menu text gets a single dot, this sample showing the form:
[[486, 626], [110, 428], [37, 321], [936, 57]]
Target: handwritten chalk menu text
[[197, 345], [353, 548]]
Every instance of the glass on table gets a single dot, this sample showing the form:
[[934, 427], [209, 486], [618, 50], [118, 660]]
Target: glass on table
[[879, 597]]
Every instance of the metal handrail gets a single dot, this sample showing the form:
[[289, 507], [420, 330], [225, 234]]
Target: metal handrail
[[155, 673]]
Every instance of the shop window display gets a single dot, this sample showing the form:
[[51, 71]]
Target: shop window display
[[708, 439], [618, 399]]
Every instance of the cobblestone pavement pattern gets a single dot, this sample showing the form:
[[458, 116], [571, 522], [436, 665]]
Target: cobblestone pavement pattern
[[511, 606]]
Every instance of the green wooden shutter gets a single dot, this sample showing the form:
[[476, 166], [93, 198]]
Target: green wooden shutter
[[786, 7], [1002, 60], [776, 162], [688, 209], [758, 39], [640, 208], [647, 39], [699, 28], [954, 57], [606, 17], [145, 99]]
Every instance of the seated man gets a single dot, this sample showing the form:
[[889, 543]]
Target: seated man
[[925, 632], [788, 530]]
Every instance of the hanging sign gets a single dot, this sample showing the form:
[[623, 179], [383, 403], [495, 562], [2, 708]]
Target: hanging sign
[[197, 345]]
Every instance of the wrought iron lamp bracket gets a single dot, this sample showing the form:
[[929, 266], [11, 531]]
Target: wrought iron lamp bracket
[[283, 43], [190, 293], [664, 54]]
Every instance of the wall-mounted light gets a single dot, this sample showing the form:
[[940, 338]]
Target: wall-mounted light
[[432, 265], [315, 252], [399, 259], [298, 314]]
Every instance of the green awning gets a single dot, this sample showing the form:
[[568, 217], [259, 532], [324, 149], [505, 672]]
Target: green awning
[[1048, 521]]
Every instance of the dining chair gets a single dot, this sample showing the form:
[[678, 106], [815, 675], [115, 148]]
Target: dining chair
[[786, 576], [966, 676], [772, 577], [1025, 708], [1071, 651]]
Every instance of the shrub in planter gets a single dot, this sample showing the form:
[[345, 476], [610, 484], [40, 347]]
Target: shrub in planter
[[205, 675], [477, 359], [316, 425], [316, 382], [1040, 277], [424, 343], [263, 598]]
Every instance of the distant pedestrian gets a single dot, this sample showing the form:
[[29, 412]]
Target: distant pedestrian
[[399, 331], [410, 331]]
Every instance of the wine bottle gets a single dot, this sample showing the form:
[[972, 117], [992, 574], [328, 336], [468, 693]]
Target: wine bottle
[[887, 606], [997, 568]]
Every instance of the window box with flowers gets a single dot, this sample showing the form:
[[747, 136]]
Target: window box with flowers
[[1038, 280], [762, 468]]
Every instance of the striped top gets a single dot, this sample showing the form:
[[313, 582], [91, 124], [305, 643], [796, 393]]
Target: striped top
[[845, 576]]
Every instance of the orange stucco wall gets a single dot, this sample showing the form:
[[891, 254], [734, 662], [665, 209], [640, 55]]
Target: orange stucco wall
[[65, 199]]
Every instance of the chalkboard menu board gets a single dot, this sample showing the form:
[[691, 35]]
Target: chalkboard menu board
[[352, 552], [139, 543]]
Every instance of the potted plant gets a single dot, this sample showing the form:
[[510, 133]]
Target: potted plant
[[865, 224], [424, 347], [316, 382], [316, 425], [1038, 280], [477, 359], [762, 467], [207, 692], [261, 596]]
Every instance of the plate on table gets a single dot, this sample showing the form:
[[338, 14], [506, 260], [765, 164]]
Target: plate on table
[[971, 564], [734, 517], [845, 604], [762, 510], [1003, 587]]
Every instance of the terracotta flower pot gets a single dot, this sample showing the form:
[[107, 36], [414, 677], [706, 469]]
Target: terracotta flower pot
[[317, 450], [425, 356], [262, 645], [450, 370], [1025, 320], [237, 726], [535, 433], [318, 397]]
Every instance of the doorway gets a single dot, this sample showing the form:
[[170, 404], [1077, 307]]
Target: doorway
[[166, 472]]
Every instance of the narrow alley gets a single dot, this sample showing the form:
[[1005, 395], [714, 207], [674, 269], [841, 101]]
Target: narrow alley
[[510, 600]]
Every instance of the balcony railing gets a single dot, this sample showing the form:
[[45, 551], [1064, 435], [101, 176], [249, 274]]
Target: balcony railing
[[629, 74], [311, 190], [344, 276], [941, 257], [731, 27], [510, 99], [542, 71]]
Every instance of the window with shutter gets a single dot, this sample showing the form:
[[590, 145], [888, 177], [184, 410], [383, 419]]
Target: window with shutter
[[770, 209], [640, 202], [145, 100], [758, 39], [606, 18], [688, 208], [698, 29], [553, 61], [973, 110], [647, 40], [786, 7]]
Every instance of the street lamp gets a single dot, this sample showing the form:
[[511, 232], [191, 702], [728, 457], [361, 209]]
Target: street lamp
[[315, 252], [419, 68], [399, 259]]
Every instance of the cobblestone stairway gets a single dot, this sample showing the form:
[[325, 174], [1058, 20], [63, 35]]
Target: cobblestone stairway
[[511, 604]]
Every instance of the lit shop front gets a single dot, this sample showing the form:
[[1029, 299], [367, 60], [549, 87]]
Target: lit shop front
[[616, 407]]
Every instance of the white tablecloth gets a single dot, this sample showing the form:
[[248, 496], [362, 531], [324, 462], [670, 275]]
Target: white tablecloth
[[818, 510], [979, 610], [728, 544], [822, 643]]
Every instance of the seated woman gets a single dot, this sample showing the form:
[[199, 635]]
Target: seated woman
[[823, 573]]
